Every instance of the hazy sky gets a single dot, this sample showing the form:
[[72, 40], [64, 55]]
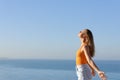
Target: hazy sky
[[47, 29]]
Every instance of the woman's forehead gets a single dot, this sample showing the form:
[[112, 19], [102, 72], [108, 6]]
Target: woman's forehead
[[83, 31]]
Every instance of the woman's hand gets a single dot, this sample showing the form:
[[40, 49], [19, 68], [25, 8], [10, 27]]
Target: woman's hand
[[102, 75]]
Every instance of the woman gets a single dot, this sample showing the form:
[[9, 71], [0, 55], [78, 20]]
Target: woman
[[85, 66]]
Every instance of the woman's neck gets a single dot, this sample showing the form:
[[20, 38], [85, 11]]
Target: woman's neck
[[82, 44]]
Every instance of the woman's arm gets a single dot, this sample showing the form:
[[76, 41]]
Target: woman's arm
[[92, 64], [89, 59]]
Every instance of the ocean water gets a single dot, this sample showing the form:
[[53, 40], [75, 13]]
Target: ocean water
[[12, 69]]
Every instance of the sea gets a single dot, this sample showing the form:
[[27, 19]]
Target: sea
[[37, 69]]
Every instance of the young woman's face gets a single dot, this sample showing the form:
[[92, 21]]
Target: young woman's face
[[81, 34]]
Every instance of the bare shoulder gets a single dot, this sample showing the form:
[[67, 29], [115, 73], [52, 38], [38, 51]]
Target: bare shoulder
[[86, 50], [85, 47]]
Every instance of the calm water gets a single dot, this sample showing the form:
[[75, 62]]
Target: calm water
[[51, 69]]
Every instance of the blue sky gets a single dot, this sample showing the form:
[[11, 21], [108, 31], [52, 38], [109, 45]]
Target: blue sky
[[47, 29]]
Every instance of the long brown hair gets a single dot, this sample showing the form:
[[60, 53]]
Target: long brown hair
[[90, 42]]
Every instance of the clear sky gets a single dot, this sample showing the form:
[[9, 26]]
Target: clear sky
[[47, 29]]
